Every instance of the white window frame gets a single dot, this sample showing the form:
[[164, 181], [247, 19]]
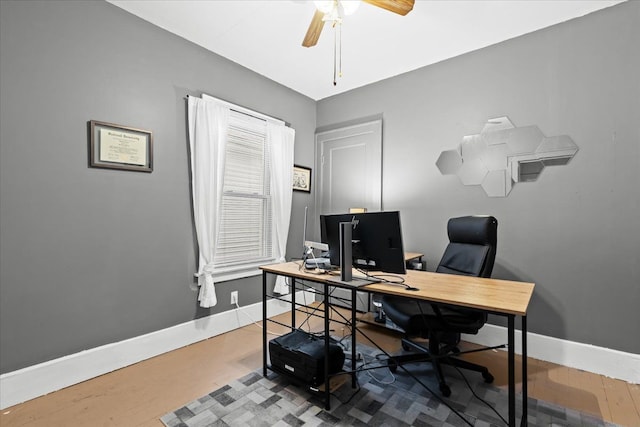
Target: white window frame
[[241, 122]]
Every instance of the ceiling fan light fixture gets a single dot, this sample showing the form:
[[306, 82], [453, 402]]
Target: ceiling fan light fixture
[[337, 8], [333, 11]]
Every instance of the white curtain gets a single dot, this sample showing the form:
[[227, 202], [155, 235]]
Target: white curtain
[[281, 140], [208, 124]]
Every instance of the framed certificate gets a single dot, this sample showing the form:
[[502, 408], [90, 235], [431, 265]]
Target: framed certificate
[[114, 146]]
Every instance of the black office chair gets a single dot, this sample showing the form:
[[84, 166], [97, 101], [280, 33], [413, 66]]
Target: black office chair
[[471, 252]]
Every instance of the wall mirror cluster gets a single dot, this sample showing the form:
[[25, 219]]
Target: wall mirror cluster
[[502, 155]]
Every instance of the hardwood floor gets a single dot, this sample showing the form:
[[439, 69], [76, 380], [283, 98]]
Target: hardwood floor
[[140, 394]]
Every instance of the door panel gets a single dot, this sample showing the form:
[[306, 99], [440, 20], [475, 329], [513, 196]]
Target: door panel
[[349, 165]]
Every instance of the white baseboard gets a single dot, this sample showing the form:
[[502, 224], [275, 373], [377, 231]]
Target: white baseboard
[[38, 380], [599, 360]]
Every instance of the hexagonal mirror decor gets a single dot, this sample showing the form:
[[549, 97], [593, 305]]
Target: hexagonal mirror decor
[[502, 155]]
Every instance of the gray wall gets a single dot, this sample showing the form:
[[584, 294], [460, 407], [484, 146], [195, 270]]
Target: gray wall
[[93, 256], [575, 232]]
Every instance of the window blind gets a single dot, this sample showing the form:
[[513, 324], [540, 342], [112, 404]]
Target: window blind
[[246, 220]]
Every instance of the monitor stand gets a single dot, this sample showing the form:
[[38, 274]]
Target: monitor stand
[[346, 261]]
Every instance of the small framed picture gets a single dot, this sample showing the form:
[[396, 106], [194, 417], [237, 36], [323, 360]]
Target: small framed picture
[[114, 146], [301, 179]]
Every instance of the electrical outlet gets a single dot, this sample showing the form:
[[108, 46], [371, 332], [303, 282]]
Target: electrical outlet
[[234, 297]]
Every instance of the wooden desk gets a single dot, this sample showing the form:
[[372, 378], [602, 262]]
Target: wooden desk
[[501, 297], [410, 256]]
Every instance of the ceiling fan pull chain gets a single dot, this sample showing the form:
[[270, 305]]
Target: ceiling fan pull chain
[[335, 44], [340, 51], [337, 51]]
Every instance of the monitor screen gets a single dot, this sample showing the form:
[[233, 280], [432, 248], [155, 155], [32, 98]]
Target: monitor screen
[[376, 240]]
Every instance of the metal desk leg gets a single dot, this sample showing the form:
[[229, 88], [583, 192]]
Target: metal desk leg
[[264, 323], [511, 364], [525, 395], [353, 338], [327, 388], [293, 303]]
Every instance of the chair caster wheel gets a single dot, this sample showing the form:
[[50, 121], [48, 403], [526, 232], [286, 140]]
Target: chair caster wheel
[[488, 378], [445, 390]]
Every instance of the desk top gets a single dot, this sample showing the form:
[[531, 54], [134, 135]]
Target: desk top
[[408, 256], [496, 295]]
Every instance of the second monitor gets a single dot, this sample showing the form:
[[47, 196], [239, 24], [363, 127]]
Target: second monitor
[[376, 240]]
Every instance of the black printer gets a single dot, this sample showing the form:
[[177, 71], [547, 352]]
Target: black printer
[[300, 355]]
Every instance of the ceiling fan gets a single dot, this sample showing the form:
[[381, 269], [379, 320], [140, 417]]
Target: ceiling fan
[[333, 11]]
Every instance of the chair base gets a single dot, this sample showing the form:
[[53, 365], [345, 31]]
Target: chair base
[[438, 357]]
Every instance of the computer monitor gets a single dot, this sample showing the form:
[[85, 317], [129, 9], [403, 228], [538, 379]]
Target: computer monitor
[[376, 240]]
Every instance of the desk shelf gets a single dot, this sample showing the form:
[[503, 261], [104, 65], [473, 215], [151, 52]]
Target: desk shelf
[[336, 381]]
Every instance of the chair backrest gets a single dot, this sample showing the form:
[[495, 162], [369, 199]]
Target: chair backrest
[[472, 246]]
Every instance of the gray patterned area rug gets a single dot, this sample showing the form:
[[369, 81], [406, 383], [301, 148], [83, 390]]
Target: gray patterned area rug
[[381, 399]]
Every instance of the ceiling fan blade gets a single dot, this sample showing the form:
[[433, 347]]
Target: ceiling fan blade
[[401, 7], [315, 28]]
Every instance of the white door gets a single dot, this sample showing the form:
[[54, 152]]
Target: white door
[[349, 165]]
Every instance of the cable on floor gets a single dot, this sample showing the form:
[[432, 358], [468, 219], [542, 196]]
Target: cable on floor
[[487, 404], [373, 377]]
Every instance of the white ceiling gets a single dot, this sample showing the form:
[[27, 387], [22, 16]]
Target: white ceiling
[[266, 35]]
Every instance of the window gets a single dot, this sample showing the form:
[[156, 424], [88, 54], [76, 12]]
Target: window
[[246, 218], [241, 182]]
